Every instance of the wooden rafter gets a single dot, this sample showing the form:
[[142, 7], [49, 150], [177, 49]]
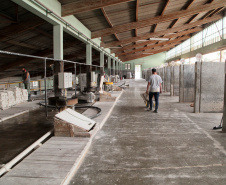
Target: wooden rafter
[[217, 11], [140, 55], [109, 22], [154, 46], [87, 5], [44, 33], [7, 18], [208, 14], [22, 44], [117, 51], [163, 32], [20, 27], [155, 20], [163, 11], [137, 7], [184, 8]]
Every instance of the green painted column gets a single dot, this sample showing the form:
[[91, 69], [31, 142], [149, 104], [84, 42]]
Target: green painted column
[[58, 53], [88, 66], [113, 67], [109, 66], [101, 63]]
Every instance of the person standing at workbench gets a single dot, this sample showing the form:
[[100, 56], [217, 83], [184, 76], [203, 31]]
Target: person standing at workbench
[[26, 81], [154, 88]]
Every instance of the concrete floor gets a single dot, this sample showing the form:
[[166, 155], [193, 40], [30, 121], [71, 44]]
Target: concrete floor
[[138, 147]]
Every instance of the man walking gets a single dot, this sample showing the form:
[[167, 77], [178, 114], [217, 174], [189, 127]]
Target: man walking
[[154, 88]]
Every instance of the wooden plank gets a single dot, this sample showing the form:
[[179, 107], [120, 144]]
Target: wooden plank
[[163, 32], [87, 5], [155, 20]]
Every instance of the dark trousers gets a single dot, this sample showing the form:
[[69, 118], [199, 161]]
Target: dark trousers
[[156, 95]]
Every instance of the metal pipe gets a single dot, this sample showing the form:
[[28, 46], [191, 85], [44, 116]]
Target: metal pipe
[[43, 58], [9, 165], [45, 89]]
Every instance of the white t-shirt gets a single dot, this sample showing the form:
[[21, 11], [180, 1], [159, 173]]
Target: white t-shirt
[[155, 81]]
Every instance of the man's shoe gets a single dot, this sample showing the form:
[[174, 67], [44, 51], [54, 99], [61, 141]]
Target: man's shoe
[[155, 111], [148, 109]]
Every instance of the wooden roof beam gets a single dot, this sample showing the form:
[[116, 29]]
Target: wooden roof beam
[[29, 24], [7, 18], [217, 11], [87, 5], [163, 32], [163, 10], [137, 7], [117, 51], [141, 55], [184, 8], [109, 22], [155, 20], [156, 45]]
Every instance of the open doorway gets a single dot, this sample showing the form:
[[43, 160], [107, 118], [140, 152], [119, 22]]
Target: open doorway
[[137, 71]]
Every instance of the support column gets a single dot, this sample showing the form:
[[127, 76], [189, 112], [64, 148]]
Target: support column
[[117, 67], [75, 80], [58, 54], [222, 56], [109, 66], [120, 70], [113, 67], [224, 110], [101, 63], [88, 66]]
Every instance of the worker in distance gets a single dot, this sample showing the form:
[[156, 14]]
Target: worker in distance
[[154, 88]]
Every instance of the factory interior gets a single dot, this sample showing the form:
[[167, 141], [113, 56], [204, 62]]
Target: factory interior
[[74, 102]]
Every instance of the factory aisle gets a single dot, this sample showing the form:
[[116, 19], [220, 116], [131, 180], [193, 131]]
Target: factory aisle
[[139, 147]]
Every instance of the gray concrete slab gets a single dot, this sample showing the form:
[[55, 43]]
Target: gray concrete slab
[[209, 88], [187, 83], [174, 81], [136, 146], [224, 110], [167, 76]]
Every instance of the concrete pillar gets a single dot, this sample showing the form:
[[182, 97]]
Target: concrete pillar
[[197, 86], [88, 66], [109, 66], [101, 63], [222, 56], [181, 84], [117, 67], [171, 81], [224, 110], [57, 54], [113, 67], [120, 70]]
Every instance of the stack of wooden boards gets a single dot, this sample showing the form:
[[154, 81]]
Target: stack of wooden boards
[[12, 96]]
